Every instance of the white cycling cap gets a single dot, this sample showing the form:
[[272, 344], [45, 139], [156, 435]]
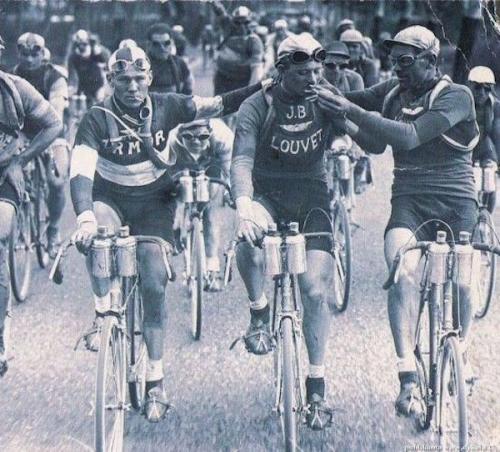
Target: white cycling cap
[[481, 74], [31, 40], [352, 36], [416, 36], [303, 42]]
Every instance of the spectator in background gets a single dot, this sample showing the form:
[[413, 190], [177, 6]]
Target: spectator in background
[[382, 53], [240, 59], [208, 43], [343, 25], [359, 62], [277, 37], [180, 40], [304, 25], [170, 72], [336, 69]]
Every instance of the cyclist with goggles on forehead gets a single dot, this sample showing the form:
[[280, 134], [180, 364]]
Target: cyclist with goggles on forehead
[[120, 173], [278, 173], [52, 84], [205, 145], [430, 123]]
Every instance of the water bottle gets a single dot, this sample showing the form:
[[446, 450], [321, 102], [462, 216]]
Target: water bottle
[[464, 252], [489, 178], [202, 189], [125, 253], [101, 254], [186, 187], [438, 257], [272, 253], [343, 167], [295, 251]]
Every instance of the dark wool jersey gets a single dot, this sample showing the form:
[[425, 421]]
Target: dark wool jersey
[[169, 76], [90, 75]]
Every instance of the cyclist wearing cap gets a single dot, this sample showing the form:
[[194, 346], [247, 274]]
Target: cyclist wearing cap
[[21, 106], [278, 173], [170, 72], [180, 40], [51, 83], [119, 174], [239, 61], [86, 64], [274, 40], [208, 145], [359, 61], [430, 123], [343, 25], [336, 69]]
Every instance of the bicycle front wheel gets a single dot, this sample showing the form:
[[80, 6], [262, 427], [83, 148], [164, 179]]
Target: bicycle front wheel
[[197, 277], [487, 275], [110, 393], [453, 425], [342, 254], [41, 214], [19, 253]]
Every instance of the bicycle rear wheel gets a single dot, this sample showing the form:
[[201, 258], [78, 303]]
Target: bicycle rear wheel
[[19, 253], [483, 233], [41, 214], [342, 255], [111, 383], [453, 424], [197, 277], [138, 352]]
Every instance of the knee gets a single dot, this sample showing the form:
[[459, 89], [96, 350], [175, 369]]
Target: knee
[[315, 297]]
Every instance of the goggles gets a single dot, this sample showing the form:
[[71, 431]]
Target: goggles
[[300, 57], [163, 44], [26, 51], [406, 60], [191, 136], [482, 86], [122, 65]]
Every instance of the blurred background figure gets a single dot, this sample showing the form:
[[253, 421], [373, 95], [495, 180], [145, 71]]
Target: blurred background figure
[[180, 40], [359, 62], [343, 25], [279, 34], [208, 44]]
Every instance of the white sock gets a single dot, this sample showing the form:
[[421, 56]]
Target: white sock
[[316, 371], [102, 304], [407, 364], [154, 370], [260, 303], [213, 264]]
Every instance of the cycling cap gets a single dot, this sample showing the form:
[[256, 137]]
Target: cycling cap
[[31, 40], [301, 43], [178, 29], [127, 43], [352, 36], [305, 20], [81, 37], [123, 58], [280, 24], [337, 49], [416, 36], [242, 13], [193, 124], [345, 23], [481, 74]]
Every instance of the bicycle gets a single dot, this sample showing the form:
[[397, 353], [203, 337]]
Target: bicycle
[[30, 229], [122, 355], [284, 260], [484, 232], [439, 360], [194, 193], [340, 170]]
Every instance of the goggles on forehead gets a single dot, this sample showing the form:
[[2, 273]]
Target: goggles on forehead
[[406, 60], [33, 51], [300, 56], [141, 64]]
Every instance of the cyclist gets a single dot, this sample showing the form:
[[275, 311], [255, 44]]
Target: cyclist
[[239, 61], [22, 106], [208, 43], [277, 37], [481, 81], [180, 40], [118, 177], [170, 72], [359, 62], [86, 65], [53, 86], [430, 123], [343, 25], [205, 144], [278, 173]]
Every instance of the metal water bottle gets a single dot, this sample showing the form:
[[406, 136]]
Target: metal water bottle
[[438, 256], [186, 186], [489, 178], [464, 252], [478, 176], [101, 254], [202, 191], [272, 254], [295, 251], [125, 253], [344, 167]]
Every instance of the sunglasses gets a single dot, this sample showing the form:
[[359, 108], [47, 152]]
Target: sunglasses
[[29, 51], [482, 86], [162, 43], [406, 60], [191, 136], [122, 65]]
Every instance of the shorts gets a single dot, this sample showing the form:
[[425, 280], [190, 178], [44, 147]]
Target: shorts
[[295, 200], [9, 195], [144, 215], [410, 211]]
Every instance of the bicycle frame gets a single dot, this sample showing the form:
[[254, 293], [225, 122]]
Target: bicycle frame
[[342, 189]]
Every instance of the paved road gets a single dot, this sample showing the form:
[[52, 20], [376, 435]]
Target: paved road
[[223, 399]]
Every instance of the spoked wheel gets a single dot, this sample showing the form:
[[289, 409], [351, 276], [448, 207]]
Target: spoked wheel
[[19, 253], [197, 277], [483, 233], [138, 352], [453, 425], [111, 386], [342, 254], [41, 214]]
